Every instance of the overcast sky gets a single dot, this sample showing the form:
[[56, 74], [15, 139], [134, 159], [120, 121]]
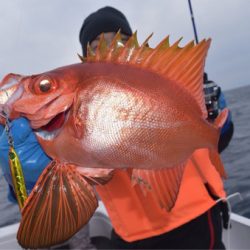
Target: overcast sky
[[37, 35]]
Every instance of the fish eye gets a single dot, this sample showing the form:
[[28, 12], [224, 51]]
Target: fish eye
[[45, 85]]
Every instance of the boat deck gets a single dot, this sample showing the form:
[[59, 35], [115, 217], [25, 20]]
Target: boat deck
[[238, 237]]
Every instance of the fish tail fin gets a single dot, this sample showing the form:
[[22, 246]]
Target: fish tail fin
[[61, 203], [163, 183], [221, 118], [213, 151], [213, 134], [217, 162]]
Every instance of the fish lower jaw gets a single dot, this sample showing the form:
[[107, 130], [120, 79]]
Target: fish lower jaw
[[46, 135], [47, 132]]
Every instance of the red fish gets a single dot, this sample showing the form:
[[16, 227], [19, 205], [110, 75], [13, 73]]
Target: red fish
[[124, 107]]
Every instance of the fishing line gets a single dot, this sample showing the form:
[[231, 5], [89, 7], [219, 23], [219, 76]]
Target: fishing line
[[226, 199], [15, 166], [19, 24]]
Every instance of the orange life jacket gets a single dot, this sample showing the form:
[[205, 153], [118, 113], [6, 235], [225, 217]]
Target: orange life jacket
[[135, 216]]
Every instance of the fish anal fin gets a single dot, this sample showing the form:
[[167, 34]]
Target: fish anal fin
[[61, 203], [163, 183]]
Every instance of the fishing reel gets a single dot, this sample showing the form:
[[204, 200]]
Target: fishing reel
[[212, 93]]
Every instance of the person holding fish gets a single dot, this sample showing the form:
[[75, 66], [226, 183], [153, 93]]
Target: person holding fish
[[155, 200]]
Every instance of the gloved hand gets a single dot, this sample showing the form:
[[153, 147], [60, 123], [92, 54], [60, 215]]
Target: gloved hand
[[31, 155]]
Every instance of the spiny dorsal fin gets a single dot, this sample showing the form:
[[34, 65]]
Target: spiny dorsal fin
[[128, 52], [183, 65], [90, 54], [101, 51], [115, 47], [141, 52], [81, 58]]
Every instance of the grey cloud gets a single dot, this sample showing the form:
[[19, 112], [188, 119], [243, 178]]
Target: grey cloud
[[40, 35]]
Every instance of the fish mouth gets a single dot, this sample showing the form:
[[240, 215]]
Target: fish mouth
[[53, 127]]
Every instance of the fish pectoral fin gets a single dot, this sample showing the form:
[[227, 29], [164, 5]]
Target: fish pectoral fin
[[61, 203], [96, 176], [163, 183]]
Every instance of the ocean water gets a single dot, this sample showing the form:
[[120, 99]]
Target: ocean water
[[236, 159], [236, 156]]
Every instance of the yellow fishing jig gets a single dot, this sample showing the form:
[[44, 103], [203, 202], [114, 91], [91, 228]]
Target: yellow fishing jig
[[16, 169], [17, 177]]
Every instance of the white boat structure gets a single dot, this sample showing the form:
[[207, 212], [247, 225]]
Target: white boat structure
[[237, 237]]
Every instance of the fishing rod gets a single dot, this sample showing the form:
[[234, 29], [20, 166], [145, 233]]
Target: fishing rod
[[193, 21], [210, 88]]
